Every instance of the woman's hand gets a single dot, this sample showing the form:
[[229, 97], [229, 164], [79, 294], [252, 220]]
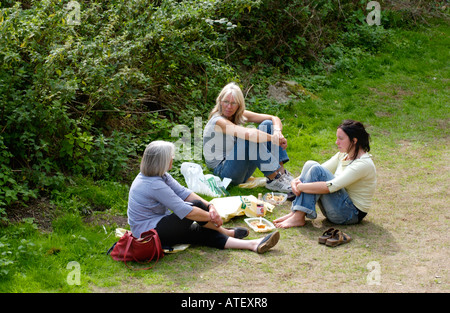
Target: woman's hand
[[317, 188], [294, 185], [278, 139], [215, 217], [283, 142]]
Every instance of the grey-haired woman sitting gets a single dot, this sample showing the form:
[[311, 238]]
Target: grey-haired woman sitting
[[157, 201]]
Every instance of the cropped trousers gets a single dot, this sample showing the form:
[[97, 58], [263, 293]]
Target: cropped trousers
[[172, 230]]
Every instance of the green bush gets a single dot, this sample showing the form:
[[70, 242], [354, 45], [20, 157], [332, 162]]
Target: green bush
[[289, 33], [75, 98]]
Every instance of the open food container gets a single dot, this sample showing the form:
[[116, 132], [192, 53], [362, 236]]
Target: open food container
[[259, 225], [275, 197]]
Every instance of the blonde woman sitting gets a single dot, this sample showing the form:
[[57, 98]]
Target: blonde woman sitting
[[234, 151]]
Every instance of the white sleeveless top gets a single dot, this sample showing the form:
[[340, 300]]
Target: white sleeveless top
[[216, 144]]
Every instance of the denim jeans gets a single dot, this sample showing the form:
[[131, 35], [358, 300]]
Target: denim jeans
[[337, 207], [247, 155]]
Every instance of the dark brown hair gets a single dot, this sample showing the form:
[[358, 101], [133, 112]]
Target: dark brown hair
[[355, 129]]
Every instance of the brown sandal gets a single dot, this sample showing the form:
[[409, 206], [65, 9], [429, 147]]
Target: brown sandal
[[326, 235], [338, 237]]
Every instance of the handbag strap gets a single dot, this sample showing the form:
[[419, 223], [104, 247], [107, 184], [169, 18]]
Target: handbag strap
[[159, 250], [130, 239]]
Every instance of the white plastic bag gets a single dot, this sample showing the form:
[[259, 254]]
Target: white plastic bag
[[208, 185]]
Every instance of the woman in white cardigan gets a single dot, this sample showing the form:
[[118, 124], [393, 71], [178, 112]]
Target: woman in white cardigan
[[345, 184]]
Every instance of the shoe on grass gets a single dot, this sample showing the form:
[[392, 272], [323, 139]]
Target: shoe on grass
[[280, 183]]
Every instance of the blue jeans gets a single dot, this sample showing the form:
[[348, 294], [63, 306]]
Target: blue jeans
[[247, 155], [337, 207]]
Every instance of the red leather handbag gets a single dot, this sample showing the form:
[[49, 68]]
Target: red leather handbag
[[141, 250]]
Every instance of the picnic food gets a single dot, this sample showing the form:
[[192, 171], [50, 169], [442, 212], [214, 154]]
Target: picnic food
[[258, 225], [274, 197]]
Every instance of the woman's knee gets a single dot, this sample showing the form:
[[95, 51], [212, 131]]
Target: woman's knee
[[309, 164], [306, 168], [316, 172], [199, 204], [266, 126]]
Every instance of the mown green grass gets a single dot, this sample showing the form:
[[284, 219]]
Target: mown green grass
[[401, 95]]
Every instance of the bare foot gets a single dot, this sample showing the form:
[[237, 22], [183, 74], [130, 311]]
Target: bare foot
[[283, 218], [297, 219]]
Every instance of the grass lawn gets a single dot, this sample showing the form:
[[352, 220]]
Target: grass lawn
[[401, 95]]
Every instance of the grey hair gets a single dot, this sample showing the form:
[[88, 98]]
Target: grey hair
[[157, 157]]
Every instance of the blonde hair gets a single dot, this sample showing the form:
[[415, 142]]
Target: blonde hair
[[157, 157], [233, 89]]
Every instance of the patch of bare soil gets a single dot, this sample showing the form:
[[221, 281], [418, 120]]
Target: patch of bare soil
[[40, 210]]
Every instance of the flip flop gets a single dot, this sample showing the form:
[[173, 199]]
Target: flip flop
[[326, 235], [240, 232], [268, 242], [338, 238]]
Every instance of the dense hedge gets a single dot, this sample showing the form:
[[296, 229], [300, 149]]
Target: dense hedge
[[81, 94]]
